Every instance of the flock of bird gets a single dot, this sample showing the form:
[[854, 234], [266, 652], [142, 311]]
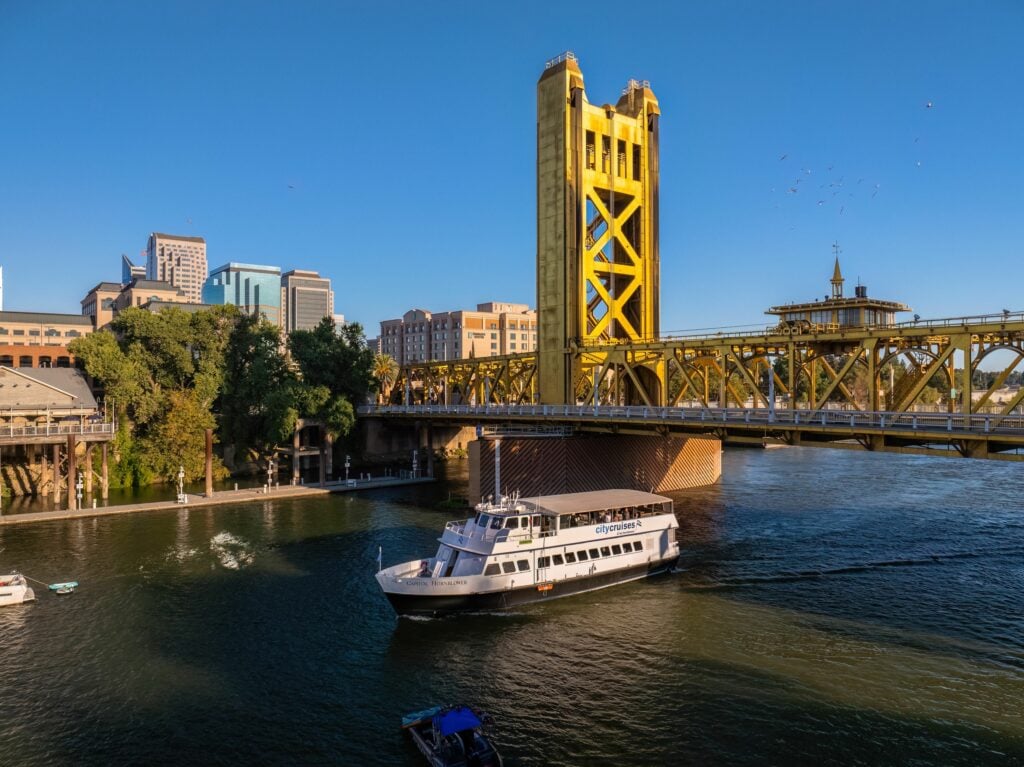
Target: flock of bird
[[833, 187]]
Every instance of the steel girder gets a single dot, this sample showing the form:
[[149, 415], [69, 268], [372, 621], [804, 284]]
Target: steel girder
[[872, 369]]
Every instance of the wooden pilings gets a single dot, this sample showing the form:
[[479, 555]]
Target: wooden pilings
[[104, 482], [56, 474], [209, 463], [72, 473], [88, 468]]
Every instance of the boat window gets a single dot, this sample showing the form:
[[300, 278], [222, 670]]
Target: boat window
[[524, 522], [616, 549], [468, 564], [492, 569], [508, 567], [582, 555], [570, 557], [496, 523], [536, 520], [512, 523], [557, 558], [627, 547], [638, 545], [543, 562], [605, 551], [482, 520], [594, 554], [524, 565]]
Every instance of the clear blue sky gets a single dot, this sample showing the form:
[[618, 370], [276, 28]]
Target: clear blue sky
[[407, 131]]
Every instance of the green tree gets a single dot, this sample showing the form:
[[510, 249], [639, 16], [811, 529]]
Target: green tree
[[259, 405], [335, 358], [161, 373]]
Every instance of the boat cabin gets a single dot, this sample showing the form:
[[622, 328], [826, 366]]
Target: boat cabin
[[546, 515]]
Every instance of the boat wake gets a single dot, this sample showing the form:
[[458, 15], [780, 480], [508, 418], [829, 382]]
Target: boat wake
[[232, 553], [824, 572], [181, 554]]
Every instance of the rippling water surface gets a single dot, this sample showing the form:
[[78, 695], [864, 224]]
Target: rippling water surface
[[831, 607]]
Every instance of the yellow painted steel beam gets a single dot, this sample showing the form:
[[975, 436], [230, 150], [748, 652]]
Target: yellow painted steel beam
[[597, 225]]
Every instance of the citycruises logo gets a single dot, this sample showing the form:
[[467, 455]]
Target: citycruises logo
[[618, 527]]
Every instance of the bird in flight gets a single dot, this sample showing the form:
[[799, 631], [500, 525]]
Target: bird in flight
[[783, 157], [929, 105]]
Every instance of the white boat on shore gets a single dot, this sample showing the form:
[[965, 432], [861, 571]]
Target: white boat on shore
[[524, 550], [14, 590]]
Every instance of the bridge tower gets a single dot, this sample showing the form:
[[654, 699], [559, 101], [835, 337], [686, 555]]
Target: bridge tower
[[597, 228]]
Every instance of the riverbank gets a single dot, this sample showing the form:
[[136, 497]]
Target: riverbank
[[219, 498]]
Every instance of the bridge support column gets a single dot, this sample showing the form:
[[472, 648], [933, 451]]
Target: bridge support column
[[550, 465]]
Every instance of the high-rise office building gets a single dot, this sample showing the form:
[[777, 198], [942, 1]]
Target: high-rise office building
[[253, 288], [306, 298], [129, 271], [178, 260]]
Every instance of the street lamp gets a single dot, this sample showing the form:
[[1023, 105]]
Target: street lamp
[[348, 462], [78, 486], [270, 473], [181, 484]]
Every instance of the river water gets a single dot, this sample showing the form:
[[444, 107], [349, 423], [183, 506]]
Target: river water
[[832, 607]]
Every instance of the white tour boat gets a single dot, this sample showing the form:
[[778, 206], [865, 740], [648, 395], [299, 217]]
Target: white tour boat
[[14, 590], [524, 550]]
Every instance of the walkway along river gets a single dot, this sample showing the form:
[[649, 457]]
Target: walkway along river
[[832, 608]]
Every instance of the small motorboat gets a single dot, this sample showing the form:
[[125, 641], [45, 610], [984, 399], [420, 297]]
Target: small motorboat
[[453, 736], [14, 590], [64, 588]]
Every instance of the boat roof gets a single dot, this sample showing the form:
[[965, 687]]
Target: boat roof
[[456, 720], [593, 500]]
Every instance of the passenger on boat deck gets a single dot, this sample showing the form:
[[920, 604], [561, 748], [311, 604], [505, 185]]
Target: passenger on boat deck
[[424, 569], [607, 516]]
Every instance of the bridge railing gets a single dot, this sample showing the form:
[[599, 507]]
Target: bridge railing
[[807, 419]]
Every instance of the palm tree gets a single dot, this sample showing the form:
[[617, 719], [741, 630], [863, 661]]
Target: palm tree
[[385, 370]]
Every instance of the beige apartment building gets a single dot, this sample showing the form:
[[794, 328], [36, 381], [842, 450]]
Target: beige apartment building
[[108, 299], [178, 260], [493, 329]]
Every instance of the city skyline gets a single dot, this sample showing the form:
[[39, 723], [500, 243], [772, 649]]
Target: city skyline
[[902, 116]]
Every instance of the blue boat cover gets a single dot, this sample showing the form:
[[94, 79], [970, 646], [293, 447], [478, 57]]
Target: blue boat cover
[[456, 720]]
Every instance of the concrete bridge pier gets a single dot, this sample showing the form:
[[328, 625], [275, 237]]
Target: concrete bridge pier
[[546, 465]]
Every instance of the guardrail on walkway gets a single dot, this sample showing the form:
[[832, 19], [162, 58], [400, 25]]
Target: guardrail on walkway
[[979, 424], [55, 429]]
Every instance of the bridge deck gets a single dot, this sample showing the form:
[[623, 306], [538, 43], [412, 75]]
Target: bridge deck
[[980, 435]]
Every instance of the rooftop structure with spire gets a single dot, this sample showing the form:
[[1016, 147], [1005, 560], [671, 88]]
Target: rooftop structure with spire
[[836, 311]]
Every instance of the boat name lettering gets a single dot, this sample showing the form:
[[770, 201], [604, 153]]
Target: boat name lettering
[[616, 527]]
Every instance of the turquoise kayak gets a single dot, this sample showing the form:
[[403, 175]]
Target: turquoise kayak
[[415, 718], [68, 585]]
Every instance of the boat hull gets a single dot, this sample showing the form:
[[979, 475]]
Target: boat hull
[[437, 604]]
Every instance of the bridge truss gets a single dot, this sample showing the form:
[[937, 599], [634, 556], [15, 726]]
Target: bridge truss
[[924, 366]]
